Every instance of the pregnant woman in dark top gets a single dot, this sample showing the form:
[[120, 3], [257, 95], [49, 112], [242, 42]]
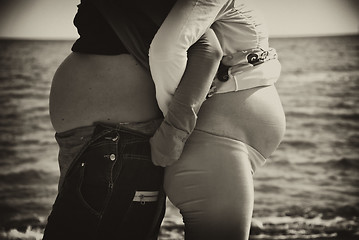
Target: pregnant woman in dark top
[[103, 109]]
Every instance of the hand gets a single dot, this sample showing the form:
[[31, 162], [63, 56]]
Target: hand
[[167, 144]]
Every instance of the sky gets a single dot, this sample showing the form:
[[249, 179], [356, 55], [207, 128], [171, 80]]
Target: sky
[[52, 19]]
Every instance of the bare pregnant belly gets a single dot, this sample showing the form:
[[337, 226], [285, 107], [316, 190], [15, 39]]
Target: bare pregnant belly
[[254, 116], [89, 88]]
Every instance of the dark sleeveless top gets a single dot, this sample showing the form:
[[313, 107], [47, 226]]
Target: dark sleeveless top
[[96, 35], [112, 27]]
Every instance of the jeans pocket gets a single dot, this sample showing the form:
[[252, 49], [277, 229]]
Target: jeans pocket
[[140, 217], [126, 216], [145, 211], [96, 176], [70, 218]]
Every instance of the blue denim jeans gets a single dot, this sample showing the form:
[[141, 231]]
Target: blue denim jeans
[[111, 190]]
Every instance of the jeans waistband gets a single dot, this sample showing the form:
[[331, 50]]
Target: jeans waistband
[[147, 128], [72, 142]]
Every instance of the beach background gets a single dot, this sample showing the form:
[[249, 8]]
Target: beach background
[[308, 189]]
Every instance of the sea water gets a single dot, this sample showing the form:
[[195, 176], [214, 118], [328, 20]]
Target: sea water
[[308, 189]]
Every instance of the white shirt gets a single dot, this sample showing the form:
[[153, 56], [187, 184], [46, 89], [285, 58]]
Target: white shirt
[[237, 28]]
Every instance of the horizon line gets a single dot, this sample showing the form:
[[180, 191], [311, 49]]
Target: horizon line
[[270, 37]]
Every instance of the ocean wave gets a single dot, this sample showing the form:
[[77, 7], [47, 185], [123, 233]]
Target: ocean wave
[[344, 163], [339, 164], [320, 213], [353, 140], [15, 82], [299, 144], [284, 228], [29, 234], [269, 188], [19, 141], [27, 95], [349, 116], [344, 68], [323, 115], [336, 126], [37, 110], [264, 229], [9, 115], [27, 177], [345, 105], [303, 228]]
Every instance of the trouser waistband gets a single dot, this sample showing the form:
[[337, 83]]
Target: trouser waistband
[[246, 69], [240, 61]]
